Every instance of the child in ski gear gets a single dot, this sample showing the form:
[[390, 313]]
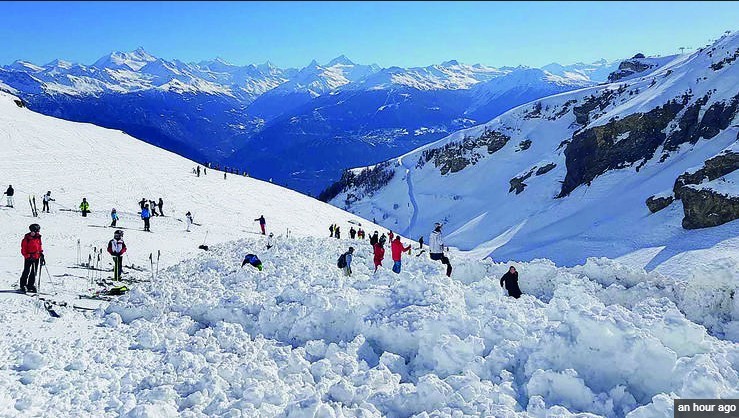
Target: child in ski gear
[[46, 199], [10, 192], [33, 253], [345, 262], [337, 232], [510, 280], [352, 233], [188, 219], [113, 217], [145, 215], [269, 240], [397, 250], [436, 249], [261, 220], [160, 204], [84, 207], [379, 253], [253, 260], [331, 230], [116, 248]]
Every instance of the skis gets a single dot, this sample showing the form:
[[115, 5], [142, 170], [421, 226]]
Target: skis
[[32, 204]]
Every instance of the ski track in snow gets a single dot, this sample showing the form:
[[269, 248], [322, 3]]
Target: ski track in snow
[[411, 197]]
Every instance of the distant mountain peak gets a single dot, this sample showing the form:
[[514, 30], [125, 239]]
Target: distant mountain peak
[[340, 60], [449, 63]]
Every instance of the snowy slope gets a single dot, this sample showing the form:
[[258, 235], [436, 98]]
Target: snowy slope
[[206, 338], [567, 177]]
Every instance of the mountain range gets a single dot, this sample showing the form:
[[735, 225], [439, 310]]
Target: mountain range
[[299, 127]]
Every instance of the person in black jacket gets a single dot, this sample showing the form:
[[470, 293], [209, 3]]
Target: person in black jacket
[[10, 192], [510, 279]]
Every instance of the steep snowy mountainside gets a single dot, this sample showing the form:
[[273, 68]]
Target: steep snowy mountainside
[[568, 176]]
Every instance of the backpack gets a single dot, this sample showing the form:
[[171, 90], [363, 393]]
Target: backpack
[[342, 261]]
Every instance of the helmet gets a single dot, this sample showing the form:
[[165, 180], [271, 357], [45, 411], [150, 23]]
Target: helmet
[[118, 233], [34, 227]]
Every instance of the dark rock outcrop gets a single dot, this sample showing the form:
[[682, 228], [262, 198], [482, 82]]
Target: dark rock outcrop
[[456, 156], [524, 145], [706, 207], [713, 168], [517, 183], [656, 204], [630, 67], [545, 169]]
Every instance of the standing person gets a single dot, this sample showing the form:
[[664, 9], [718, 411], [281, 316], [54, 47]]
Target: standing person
[[269, 240], [188, 220], [224, 175], [161, 204], [510, 281], [142, 202], [145, 215], [374, 239], [84, 207], [46, 199], [153, 206], [345, 262], [397, 250], [390, 235], [436, 249], [331, 230], [205, 171], [113, 217], [262, 223], [420, 242], [352, 233], [116, 248], [253, 260], [32, 252], [198, 171], [337, 232], [379, 253], [10, 192]]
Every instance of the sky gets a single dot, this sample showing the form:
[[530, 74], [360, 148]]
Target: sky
[[406, 34]]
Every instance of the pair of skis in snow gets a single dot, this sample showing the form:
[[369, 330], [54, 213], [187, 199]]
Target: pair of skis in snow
[[32, 203], [151, 261]]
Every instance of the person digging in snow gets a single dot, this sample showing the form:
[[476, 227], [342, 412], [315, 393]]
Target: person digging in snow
[[436, 249], [33, 253], [510, 281], [253, 260], [397, 250], [116, 248]]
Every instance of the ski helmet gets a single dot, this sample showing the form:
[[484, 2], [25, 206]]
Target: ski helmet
[[118, 233], [34, 227]]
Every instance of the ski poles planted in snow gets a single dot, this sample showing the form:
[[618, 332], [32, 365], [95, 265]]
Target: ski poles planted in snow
[[151, 262], [159, 253]]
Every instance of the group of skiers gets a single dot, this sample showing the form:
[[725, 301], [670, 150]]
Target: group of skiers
[[231, 170]]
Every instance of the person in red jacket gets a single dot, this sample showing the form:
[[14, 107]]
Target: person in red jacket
[[32, 252], [397, 250], [379, 251], [116, 248]]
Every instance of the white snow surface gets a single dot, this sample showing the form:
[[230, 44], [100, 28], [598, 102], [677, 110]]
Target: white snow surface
[[208, 338]]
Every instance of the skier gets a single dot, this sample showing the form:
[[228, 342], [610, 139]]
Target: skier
[[337, 232], [374, 239], [269, 240], [397, 250], [32, 252], [345, 262], [510, 280], [145, 215], [331, 230], [262, 222], [253, 260], [198, 171], [153, 208], [436, 249], [116, 248], [84, 207], [46, 199], [420, 242], [189, 220], [352, 233], [161, 204], [113, 217], [10, 192], [379, 253]]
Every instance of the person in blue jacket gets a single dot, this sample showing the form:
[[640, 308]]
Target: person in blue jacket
[[145, 215], [253, 260]]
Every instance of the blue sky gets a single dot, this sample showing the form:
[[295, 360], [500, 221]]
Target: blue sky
[[386, 33]]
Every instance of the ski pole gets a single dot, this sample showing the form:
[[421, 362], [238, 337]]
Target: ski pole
[[151, 262], [159, 253]]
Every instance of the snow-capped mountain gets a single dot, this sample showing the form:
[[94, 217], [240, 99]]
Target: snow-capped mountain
[[260, 117], [579, 173], [197, 334]]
